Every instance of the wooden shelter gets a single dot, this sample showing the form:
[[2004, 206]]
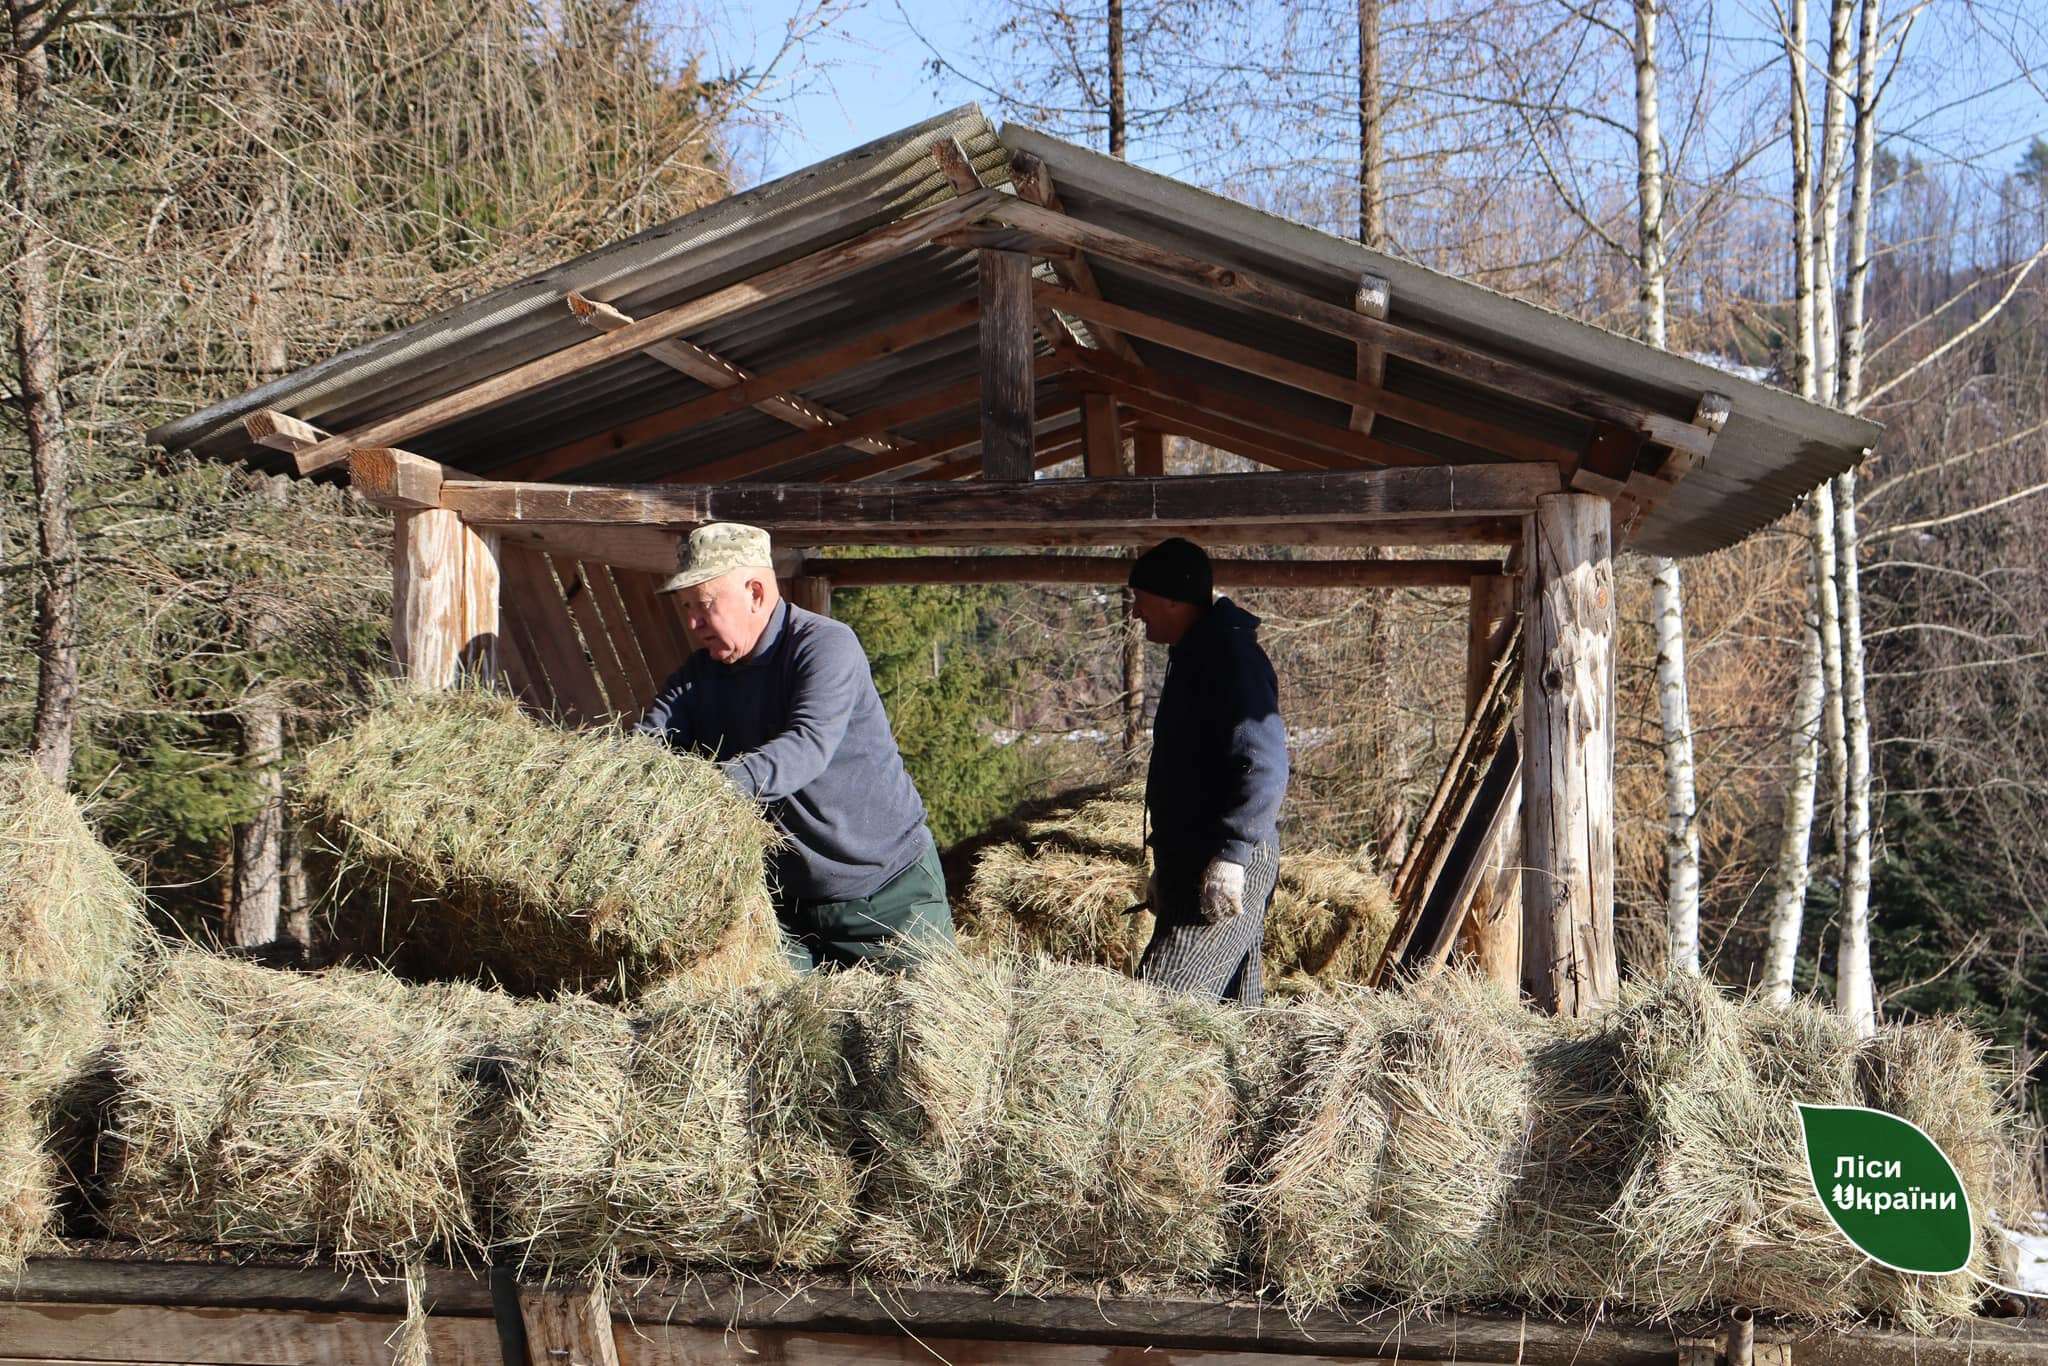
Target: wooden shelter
[[887, 349]]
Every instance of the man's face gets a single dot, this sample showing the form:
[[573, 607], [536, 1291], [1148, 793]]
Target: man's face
[[726, 615], [1166, 621]]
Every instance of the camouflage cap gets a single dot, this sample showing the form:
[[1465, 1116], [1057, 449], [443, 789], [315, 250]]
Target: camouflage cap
[[719, 548]]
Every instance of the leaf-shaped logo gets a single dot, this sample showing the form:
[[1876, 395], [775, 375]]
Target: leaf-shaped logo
[[1888, 1188]]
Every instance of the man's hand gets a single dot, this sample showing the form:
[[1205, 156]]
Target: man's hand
[[1222, 891]]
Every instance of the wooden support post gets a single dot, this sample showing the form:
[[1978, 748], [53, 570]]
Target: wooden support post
[[444, 597], [812, 592], [1101, 447], [568, 1328], [1148, 449], [1568, 957], [1374, 294], [1007, 385], [1493, 927]]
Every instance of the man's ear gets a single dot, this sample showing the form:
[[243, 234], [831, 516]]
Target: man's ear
[[757, 588]]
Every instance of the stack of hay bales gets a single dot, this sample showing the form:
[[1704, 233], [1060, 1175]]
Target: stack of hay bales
[[73, 934], [1047, 1125], [544, 858], [711, 1128], [1447, 1144], [1060, 879], [340, 1111]]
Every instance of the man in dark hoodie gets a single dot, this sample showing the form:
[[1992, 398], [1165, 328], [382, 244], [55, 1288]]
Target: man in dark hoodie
[[1212, 794]]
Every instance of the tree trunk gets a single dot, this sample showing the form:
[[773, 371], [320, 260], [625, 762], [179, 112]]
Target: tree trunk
[[1667, 598], [1372, 157], [36, 352], [1116, 78], [1809, 701], [1855, 990], [258, 886]]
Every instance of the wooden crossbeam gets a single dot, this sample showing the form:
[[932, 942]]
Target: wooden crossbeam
[[652, 550], [1504, 441], [395, 479], [1055, 402], [1229, 573], [805, 273], [716, 372], [837, 360], [1278, 300], [819, 512]]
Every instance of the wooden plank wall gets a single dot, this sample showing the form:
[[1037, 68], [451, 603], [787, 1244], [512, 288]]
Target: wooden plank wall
[[591, 642]]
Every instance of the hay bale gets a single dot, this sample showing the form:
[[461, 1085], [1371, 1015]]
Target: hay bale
[[1328, 924], [68, 913], [73, 933], [710, 1128], [544, 857], [338, 1111], [1047, 1125], [1070, 906], [1390, 1134]]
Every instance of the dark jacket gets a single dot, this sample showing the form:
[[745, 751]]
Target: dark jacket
[[1219, 749], [800, 728]]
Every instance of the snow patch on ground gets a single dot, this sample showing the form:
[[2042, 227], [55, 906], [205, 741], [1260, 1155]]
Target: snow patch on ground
[[2033, 1258]]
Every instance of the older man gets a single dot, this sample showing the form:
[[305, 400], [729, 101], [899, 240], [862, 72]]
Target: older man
[[1218, 772], [783, 699]]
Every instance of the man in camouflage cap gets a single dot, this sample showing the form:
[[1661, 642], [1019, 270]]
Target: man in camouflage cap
[[783, 699]]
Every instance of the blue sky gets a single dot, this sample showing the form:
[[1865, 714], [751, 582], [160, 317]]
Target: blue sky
[[866, 73]]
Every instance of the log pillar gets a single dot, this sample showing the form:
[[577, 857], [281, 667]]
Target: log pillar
[[1568, 958], [1493, 927], [444, 598], [1008, 388], [1148, 452], [812, 592]]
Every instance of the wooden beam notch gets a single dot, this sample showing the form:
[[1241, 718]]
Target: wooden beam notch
[[1375, 295]]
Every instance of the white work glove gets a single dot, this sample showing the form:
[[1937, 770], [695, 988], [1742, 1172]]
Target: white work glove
[[1222, 891]]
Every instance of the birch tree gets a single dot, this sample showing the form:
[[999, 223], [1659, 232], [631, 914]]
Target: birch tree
[[1667, 598]]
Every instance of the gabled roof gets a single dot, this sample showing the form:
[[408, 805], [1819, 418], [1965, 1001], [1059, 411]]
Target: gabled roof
[[1470, 375]]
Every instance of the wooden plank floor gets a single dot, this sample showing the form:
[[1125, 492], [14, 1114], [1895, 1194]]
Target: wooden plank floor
[[210, 1313]]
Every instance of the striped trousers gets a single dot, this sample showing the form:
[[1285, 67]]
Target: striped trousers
[[1224, 961]]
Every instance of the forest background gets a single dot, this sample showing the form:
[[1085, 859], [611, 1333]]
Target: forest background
[[202, 199]]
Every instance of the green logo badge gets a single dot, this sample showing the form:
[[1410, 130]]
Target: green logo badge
[[1888, 1188]]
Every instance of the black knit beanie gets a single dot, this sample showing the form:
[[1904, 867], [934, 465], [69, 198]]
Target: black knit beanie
[[1177, 569]]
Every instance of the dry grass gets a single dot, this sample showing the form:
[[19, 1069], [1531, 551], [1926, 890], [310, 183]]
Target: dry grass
[[1390, 1142], [73, 934], [1047, 1125], [710, 1128], [341, 1112], [68, 913], [543, 857]]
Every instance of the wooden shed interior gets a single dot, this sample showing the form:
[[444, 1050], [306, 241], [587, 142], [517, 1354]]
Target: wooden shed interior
[[890, 349]]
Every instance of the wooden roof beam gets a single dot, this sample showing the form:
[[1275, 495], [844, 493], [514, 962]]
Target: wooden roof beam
[[1503, 441], [835, 361], [715, 372], [629, 547], [1229, 573], [282, 432], [1033, 182], [835, 262], [396, 479], [1373, 297], [1267, 296], [817, 512]]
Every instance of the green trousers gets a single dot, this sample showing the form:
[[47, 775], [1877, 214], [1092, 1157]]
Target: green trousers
[[907, 916]]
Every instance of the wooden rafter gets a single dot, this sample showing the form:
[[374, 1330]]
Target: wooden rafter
[[805, 273], [832, 362], [1504, 441], [1337, 441], [1267, 296], [1055, 402], [1033, 182], [817, 513], [716, 372]]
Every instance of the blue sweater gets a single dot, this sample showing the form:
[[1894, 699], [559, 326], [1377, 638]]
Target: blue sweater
[[1219, 748], [799, 727]]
